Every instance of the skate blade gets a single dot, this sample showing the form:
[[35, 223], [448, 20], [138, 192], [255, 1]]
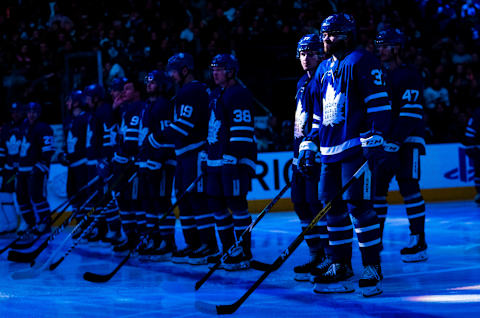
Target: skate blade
[[372, 290], [161, 258], [303, 277], [197, 261], [180, 260], [237, 267], [339, 287], [415, 258]]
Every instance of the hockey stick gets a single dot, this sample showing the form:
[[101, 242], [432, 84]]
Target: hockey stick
[[40, 267], [21, 256], [237, 243], [63, 207], [54, 265], [102, 278], [84, 219], [231, 308]]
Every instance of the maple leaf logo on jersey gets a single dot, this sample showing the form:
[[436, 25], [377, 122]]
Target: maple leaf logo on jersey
[[142, 134], [13, 145], [333, 107], [71, 142], [88, 141], [213, 128], [24, 147], [300, 120]]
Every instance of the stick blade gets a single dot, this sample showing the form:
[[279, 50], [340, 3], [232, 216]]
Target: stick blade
[[53, 266], [96, 278], [227, 309], [205, 308], [26, 274]]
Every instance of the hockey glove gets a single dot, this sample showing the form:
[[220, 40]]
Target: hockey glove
[[373, 150], [308, 159]]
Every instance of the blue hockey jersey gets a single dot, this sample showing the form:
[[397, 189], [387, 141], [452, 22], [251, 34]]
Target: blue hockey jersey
[[472, 131], [76, 139], [157, 117], [231, 127], [303, 113], [351, 101], [105, 131], [130, 133], [188, 131], [406, 91], [37, 147]]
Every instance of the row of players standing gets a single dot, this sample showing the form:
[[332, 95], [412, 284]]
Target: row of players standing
[[196, 133], [169, 142], [353, 107]]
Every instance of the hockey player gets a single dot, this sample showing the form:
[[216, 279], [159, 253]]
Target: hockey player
[[354, 113], [74, 155], [188, 132], [103, 130], [131, 106], [471, 142], [232, 153], [304, 191], [404, 143], [158, 169], [36, 150], [10, 141]]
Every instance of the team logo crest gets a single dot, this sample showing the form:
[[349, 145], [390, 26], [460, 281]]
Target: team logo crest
[[333, 107], [24, 147], [71, 142], [300, 120], [213, 127], [13, 145]]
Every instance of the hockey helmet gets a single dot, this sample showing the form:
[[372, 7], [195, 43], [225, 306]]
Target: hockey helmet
[[180, 60], [391, 37], [309, 42], [33, 107], [162, 80], [227, 61], [77, 98], [118, 83], [94, 90], [340, 23], [16, 107]]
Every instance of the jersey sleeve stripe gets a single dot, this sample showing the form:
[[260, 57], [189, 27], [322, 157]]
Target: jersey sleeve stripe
[[379, 109], [242, 128], [419, 106], [246, 139], [186, 123], [470, 129], [180, 130], [410, 115], [375, 96], [340, 148]]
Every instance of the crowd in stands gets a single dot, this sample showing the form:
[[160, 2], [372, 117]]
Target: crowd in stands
[[39, 39]]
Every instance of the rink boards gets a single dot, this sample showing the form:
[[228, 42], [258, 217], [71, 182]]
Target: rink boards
[[446, 174]]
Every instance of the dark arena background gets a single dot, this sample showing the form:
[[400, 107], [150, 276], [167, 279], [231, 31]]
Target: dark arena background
[[52, 49]]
